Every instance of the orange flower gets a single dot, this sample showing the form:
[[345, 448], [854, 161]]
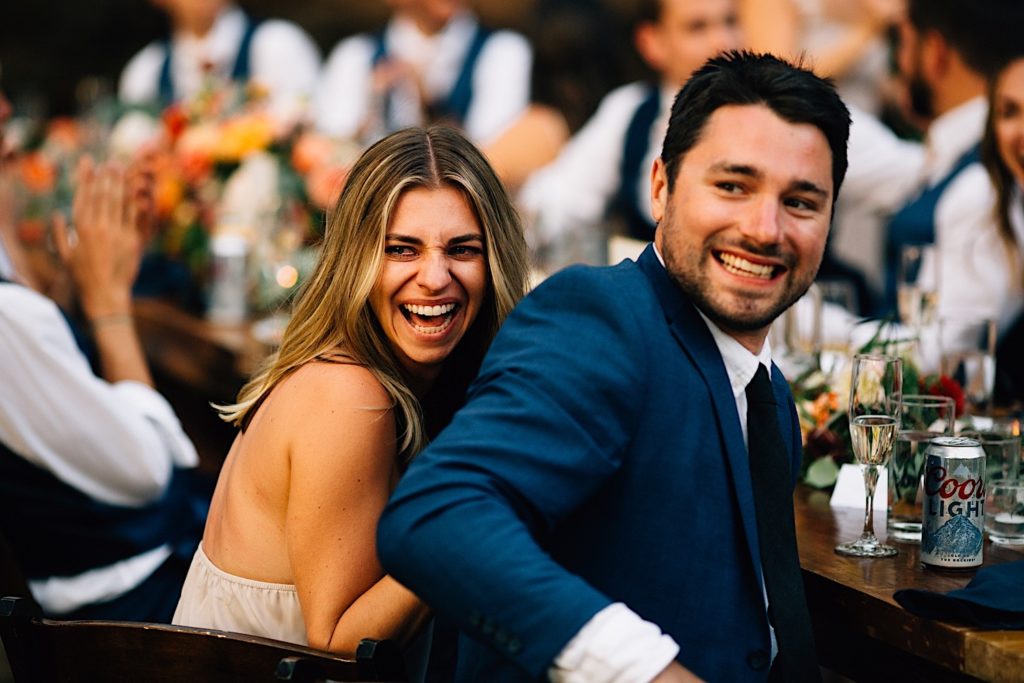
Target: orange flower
[[311, 151], [32, 231], [37, 172], [324, 185], [175, 121], [167, 194], [242, 136], [64, 133]]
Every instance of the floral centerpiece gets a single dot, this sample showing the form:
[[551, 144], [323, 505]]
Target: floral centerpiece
[[821, 403], [223, 162]]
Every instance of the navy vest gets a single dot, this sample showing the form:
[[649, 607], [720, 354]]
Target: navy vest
[[240, 72], [914, 224], [56, 530], [455, 106], [635, 145]]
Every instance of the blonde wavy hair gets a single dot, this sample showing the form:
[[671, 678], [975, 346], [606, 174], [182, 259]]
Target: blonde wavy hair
[[333, 311]]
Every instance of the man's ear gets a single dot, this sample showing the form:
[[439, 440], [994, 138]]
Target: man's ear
[[659, 190], [936, 55], [647, 37]]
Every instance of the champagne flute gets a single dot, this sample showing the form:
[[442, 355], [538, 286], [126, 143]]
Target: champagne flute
[[876, 395]]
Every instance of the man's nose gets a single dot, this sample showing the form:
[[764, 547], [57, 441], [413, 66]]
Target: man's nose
[[764, 225], [434, 274]]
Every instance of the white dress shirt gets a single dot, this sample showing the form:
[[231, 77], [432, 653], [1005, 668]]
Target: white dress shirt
[[345, 105], [283, 59], [117, 443], [617, 645], [572, 194]]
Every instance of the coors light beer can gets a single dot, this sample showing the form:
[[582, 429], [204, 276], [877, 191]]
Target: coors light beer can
[[954, 503]]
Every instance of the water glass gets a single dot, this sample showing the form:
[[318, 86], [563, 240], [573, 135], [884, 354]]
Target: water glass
[[1002, 453], [968, 355], [1004, 511], [922, 419]]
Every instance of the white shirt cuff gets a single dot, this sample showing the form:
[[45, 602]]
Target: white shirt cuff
[[615, 646]]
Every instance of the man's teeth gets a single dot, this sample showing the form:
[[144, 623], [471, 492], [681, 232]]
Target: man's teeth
[[430, 311], [741, 266]]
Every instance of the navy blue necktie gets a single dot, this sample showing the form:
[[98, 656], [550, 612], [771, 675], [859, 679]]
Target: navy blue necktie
[[773, 501]]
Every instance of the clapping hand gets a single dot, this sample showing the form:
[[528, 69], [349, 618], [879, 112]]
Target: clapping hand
[[103, 251]]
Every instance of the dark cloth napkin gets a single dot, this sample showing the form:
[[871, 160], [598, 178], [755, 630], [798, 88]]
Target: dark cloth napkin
[[993, 599]]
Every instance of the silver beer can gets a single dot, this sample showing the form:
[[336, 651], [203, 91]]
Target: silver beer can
[[953, 523], [229, 293]]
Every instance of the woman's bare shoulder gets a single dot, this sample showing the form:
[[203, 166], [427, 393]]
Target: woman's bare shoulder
[[333, 384]]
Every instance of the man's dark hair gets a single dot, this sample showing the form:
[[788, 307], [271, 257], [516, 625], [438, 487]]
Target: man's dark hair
[[976, 29], [648, 12], [793, 93]]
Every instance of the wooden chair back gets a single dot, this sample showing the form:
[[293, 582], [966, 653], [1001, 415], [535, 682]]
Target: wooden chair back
[[48, 650], [12, 580]]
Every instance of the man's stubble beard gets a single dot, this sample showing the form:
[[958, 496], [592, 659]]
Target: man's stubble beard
[[693, 280]]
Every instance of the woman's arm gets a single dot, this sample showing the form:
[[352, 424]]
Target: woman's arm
[[342, 469]]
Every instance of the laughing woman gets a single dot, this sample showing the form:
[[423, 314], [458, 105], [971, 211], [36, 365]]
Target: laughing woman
[[423, 258], [1003, 155]]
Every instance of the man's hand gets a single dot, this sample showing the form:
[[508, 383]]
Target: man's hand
[[675, 673], [102, 254]]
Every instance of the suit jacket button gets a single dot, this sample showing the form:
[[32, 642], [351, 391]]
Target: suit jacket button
[[474, 618], [514, 645], [488, 627], [758, 660]]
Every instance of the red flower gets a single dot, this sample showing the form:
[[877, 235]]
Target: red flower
[[942, 385]]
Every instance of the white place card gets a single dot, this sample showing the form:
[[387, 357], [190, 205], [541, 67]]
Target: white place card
[[849, 490]]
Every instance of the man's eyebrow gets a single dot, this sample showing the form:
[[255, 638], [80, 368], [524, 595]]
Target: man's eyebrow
[[808, 186], [739, 169], [752, 172]]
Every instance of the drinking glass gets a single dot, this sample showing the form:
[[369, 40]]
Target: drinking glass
[[922, 419], [1004, 511], [917, 291], [1002, 452], [876, 394], [968, 355]]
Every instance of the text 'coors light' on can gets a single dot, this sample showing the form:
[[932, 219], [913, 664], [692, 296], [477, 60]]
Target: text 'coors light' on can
[[954, 503]]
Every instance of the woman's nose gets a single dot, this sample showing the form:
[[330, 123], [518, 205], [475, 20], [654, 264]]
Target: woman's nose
[[434, 274]]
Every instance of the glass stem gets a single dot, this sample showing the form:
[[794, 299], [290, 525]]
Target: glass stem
[[870, 480]]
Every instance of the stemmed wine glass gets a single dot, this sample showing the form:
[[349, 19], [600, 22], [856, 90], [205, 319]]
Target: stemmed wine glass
[[876, 393]]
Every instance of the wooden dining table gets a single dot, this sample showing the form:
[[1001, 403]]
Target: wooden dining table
[[864, 634]]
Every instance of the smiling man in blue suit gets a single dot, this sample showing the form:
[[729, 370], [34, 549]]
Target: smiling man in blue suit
[[614, 502]]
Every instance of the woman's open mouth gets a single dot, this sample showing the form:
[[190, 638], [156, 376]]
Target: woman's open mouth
[[429, 319]]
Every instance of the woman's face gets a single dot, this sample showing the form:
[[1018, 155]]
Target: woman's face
[[433, 279], [1008, 118]]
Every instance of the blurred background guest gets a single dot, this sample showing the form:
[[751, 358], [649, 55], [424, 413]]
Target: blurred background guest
[[1003, 154], [99, 500], [576, 61], [433, 61], [938, 193], [844, 40], [606, 165], [215, 40], [423, 258]]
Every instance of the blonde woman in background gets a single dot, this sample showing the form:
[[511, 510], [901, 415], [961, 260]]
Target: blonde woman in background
[[422, 260]]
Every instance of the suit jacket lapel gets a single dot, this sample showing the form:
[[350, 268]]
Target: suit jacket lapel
[[694, 337]]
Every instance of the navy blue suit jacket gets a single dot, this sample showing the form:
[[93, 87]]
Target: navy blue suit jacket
[[598, 459]]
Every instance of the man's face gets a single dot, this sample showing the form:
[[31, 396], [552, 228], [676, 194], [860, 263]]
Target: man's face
[[921, 96], [744, 227], [193, 15], [688, 33]]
